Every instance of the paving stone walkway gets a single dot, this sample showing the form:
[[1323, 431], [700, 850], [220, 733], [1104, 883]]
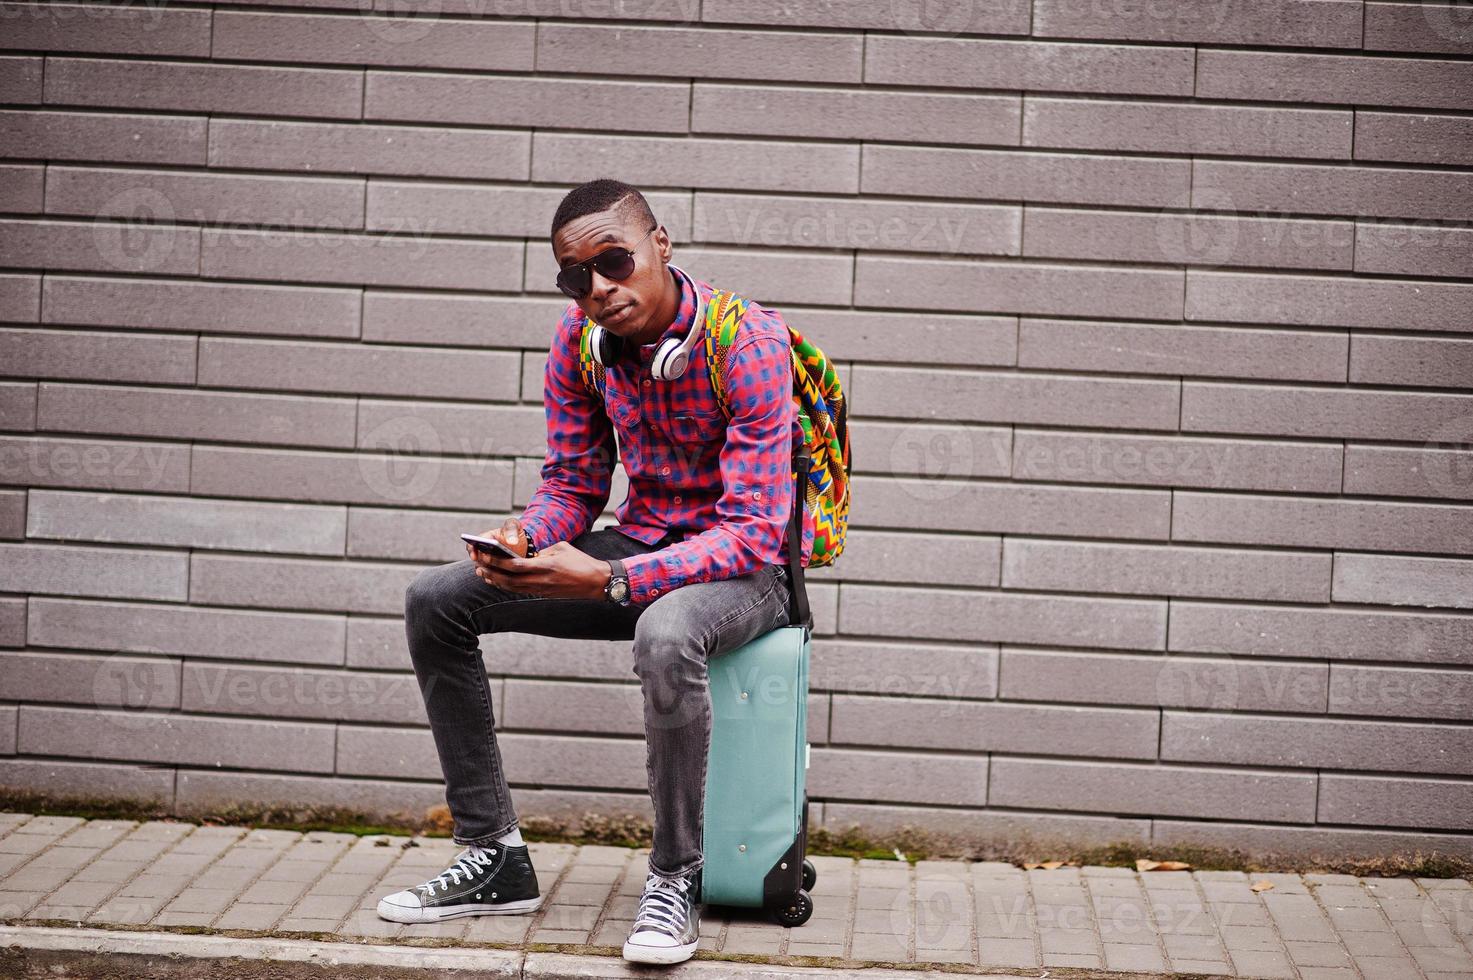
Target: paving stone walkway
[[111, 874]]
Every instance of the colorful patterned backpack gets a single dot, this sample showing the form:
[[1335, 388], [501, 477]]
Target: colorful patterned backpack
[[823, 415]]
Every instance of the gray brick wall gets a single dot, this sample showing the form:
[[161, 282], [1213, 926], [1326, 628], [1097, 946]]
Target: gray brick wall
[[1156, 319]]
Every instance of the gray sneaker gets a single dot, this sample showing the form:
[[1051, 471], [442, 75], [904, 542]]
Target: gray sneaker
[[667, 926]]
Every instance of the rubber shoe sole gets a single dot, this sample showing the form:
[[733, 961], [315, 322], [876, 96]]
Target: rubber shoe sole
[[664, 955], [400, 913]]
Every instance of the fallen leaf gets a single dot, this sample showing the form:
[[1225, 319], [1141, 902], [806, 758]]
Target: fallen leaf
[[1051, 865], [1261, 886], [1146, 864], [1173, 866]]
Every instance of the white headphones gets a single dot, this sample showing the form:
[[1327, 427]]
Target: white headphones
[[671, 357]]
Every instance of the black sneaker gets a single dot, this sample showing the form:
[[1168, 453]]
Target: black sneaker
[[667, 927], [491, 880]]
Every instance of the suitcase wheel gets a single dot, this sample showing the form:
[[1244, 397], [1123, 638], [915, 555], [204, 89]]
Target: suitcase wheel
[[794, 912], [810, 875]]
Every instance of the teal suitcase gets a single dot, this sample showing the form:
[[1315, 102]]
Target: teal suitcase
[[755, 833]]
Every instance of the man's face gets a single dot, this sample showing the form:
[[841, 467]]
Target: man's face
[[623, 307]]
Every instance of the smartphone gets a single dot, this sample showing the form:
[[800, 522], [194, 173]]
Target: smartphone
[[490, 546]]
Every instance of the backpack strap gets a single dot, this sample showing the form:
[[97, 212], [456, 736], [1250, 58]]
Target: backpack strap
[[721, 332], [589, 369]]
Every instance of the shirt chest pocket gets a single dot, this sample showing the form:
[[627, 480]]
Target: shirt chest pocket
[[692, 428]]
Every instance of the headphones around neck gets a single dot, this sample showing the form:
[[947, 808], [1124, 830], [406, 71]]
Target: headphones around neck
[[671, 357]]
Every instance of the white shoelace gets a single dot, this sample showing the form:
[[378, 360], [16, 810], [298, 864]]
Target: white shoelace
[[663, 905], [471, 860]]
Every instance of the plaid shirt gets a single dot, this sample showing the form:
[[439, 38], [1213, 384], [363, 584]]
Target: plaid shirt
[[725, 490]]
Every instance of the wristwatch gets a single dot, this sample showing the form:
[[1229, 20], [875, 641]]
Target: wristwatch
[[617, 589]]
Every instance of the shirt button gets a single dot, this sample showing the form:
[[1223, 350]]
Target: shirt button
[[646, 382], [664, 471], [654, 591], [757, 493], [677, 498]]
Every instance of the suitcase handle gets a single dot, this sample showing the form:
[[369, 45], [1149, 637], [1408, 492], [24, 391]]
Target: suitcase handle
[[801, 613]]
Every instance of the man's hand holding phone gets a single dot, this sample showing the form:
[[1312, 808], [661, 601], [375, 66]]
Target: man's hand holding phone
[[559, 571]]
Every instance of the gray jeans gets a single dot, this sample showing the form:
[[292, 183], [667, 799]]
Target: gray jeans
[[447, 607]]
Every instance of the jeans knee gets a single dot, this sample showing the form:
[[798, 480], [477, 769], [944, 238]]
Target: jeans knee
[[424, 594]]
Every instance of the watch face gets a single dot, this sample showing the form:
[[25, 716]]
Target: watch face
[[619, 590]]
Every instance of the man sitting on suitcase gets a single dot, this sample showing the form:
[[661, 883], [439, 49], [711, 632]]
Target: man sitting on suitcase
[[694, 568]]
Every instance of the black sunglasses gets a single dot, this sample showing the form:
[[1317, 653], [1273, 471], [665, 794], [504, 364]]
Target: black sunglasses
[[612, 263]]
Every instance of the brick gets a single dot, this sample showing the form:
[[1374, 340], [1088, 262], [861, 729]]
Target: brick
[[111, 681], [1303, 23], [20, 298], [1169, 682], [21, 189], [528, 102], [435, 42], [1328, 301], [877, 556], [1178, 791], [1400, 580], [1326, 743], [8, 722], [913, 668], [353, 478], [12, 622], [113, 572], [295, 692], [13, 514], [1016, 287], [195, 306], [1030, 65], [1008, 17], [20, 80], [302, 584], [1341, 190], [1441, 804], [1169, 570], [174, 738], [1064, 178], [1413, 361], [96, 463], [377, 643], [1424, 29], [542, 758], [1335, 79], [1007, 508], [356, 369], [1427, 471], [1399, 692], [416, 259], [203, 87], [855, 114], [996, 396], [697, 162], [686, 51], [1342, 413], [1331, 634], [236, 634], [780, 277], [1186, 127], [497, 211], [238, 525], [1003, 617], [366, 149], [208, 199], [1332, 523], [832, 223], [225, 416], [90, 780], [82, 136], [97, 356], [18, 406], [414, 535], [932, 338], [1196, 238], [204, 792], [1263, 837], [48, 27], [981, 726], [1413, 249], [1413, 137], [899, 777], [462, 321], [99, 246]]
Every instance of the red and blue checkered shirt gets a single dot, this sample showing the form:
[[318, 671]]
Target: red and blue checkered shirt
[[724, 488]]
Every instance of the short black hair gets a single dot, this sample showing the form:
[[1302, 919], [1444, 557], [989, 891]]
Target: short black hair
[[600, 195]]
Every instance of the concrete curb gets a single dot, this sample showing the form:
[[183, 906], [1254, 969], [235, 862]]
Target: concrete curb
[[40, 951]]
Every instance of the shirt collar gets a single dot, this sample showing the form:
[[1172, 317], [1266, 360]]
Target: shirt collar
[[685, 310]]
